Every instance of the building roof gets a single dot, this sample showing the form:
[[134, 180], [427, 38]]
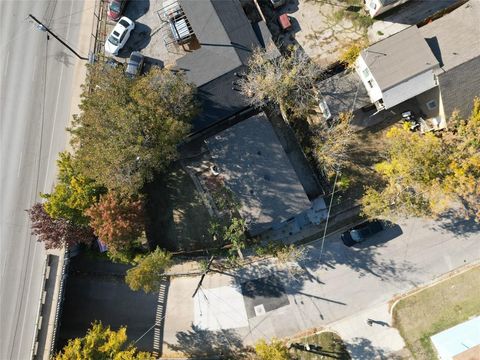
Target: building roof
[[455, 38], [399, 57], [219, 100], [253, 164], [459, 86], [344, 93], [225, 36]]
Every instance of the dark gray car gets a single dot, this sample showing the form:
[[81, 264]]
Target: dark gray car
[[134, 64]]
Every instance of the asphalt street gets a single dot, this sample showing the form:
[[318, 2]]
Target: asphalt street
[[36, 90], [332, 283]]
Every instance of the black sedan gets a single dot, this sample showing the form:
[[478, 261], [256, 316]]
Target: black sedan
[[361, 232], [134, 64]]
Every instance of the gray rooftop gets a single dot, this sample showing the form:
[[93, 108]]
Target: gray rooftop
[[254, 166], [344, 93], [225, 35], [455, 38], [399, 58]]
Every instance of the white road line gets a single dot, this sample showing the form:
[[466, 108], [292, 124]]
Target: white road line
[[20, 164], [35, 63], [35, 247], [56, 109], [5, 69]]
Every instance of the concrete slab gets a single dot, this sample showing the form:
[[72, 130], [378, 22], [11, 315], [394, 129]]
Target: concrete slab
[[219, 308], [375, 341]]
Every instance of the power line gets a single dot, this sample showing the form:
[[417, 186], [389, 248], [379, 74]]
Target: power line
[[42, 27]]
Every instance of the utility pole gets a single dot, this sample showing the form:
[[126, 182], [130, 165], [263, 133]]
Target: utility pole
[[42, 27], [207, 269]]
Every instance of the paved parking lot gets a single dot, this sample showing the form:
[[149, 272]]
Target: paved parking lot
[[151, 36]]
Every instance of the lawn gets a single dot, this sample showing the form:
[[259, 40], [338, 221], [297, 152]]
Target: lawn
[[435, 309], [179, 219], [327, 345]]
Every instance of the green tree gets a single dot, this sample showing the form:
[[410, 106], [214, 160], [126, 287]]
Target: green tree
[[129, 129], [288, 81], [73, 193], [425, 174], [102, 343], [275, 350], [118, 221], [149, 272], [235, 235]]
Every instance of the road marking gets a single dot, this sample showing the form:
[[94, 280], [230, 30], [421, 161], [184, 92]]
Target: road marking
[[5, 69], [20, 164], [35, 63]]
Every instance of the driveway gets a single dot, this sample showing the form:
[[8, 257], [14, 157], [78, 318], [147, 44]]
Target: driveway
[[340, 283]]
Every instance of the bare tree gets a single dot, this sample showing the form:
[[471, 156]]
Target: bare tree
[[288, 81], [332, 141]]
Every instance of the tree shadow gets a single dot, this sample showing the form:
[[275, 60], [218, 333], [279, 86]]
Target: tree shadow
[[456, 223], [198, 342], [363, 349]]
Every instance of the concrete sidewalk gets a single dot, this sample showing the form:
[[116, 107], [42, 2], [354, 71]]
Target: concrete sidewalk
[[376, 341]]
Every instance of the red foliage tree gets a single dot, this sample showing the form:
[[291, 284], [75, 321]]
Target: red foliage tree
[[117, 220], [55, 233]]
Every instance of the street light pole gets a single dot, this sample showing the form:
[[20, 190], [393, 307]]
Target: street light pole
[[44, 28]]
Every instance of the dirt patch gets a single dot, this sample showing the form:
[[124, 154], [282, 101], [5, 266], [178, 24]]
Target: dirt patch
[[323, 28], [179, 218]]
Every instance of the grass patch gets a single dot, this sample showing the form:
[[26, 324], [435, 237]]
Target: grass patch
[[435, 309], [328, 345]]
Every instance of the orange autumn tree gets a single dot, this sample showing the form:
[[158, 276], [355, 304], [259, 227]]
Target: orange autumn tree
[[118, 221]]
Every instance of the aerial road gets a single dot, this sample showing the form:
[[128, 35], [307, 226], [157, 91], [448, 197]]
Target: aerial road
[[37, 85]]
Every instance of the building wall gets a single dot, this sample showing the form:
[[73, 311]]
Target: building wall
[[376, 7], [409, 89], [368, 80]]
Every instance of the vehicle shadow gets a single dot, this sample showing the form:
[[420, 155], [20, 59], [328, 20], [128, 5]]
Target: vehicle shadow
[[139, 39], [151, 62], [390, 232], [136, 9]]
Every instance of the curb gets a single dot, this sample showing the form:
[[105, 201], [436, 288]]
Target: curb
[[460, 270]]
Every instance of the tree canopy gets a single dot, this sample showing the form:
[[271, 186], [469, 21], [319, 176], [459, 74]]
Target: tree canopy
[[275, 350], [55, 233], [150, 271], [73, 193], [102, 343], [288, 81], [425, 174], [117, 221], [128, 129]]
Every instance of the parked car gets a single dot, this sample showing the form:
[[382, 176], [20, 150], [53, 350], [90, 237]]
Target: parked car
[[115, 9], [134, 64], [361, 232], [119, 35]]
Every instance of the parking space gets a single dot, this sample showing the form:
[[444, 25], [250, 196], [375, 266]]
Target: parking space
[[152, 36]]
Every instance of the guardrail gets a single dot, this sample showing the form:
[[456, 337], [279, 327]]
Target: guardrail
[[58, 308], [41, 302], [99, 29]]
